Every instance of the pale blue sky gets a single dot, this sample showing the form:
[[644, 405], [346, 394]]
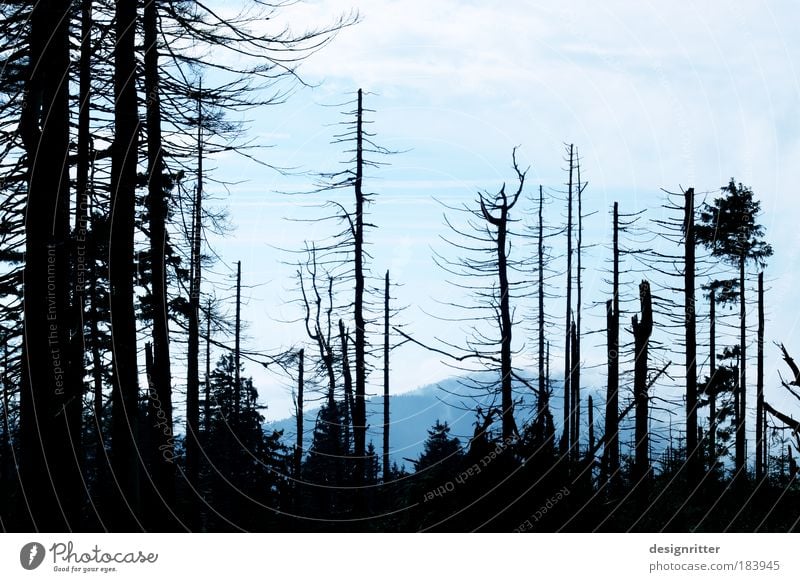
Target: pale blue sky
[[655, 96]]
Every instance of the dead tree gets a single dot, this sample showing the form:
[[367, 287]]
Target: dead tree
[[193, 355], [501, 205], [566, 429], [575, 376], [125, 393], [611, 435], [545, 431], [642, 329], [298, 447], [487, 268], [690, 314], [237, 351], [792, 385], [590, 413], [386, 466], [760, 419]]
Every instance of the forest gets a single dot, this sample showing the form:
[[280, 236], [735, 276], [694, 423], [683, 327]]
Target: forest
[[128, 398]]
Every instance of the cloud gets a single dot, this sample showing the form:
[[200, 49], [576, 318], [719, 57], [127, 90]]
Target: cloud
[[655, 95]]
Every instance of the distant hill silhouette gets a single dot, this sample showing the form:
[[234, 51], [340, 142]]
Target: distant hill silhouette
[[414, 412]]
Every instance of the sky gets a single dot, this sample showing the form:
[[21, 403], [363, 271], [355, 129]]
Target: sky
[[654, 95]]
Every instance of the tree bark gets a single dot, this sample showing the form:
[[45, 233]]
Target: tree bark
[[590, 413], [359, 411], [611, 436], [164, 466], [298, 447], [566, 434], [576, 337], [237, 394], [741, 416], [544, 424], [712, 397], [125, 392], [349, 400], [690, 322], [760, 457], [386, 466], [641, 332], [193, 340]]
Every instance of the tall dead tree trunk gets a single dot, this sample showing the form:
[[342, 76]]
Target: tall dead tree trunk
[[742, 406], [575, 380], [237, 400], [349, 399], [298, 447], [207, 384], [163, 464], [386, 467], [574, 397], [611, 436], [193, 339], [503, 205], [544, 420], [81, 229], [125, 392], [359, 412], [5, 456], [760, 436], [47, 471], [690, 322], [565, 437], [641, 333], [712, 397], [590, 413]]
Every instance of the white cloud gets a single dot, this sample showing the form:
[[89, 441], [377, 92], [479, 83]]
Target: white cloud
[[655, 94]]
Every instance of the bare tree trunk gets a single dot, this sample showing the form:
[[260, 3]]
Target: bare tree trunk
[[590, 412], [46, 469], [766, 444], [349, 403], [508, 425], [193, 340], [737, 400], [237, 346], [760, 458], [163, 466], [80, 268], [565, 438], [712, 397], [359, 411], [97, 367], [611, 436], [386, 467], [207, 385], [125, 393], [5, 450], [298, 447], [503, 205], [741, 417], [575, 397], [544, 431], [692, 452], [575, 381], [641, 332]]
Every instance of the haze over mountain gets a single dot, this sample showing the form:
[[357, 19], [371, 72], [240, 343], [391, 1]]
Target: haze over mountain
[[413, 413]]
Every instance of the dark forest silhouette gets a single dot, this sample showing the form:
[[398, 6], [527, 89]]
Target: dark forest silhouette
[[108, 112]]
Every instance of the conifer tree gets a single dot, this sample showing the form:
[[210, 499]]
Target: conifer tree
[[728, 228]]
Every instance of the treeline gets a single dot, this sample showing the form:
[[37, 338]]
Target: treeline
[[108, 113]]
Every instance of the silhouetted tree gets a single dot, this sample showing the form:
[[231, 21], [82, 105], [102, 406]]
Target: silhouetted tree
[[729, 229], [642, 329]]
